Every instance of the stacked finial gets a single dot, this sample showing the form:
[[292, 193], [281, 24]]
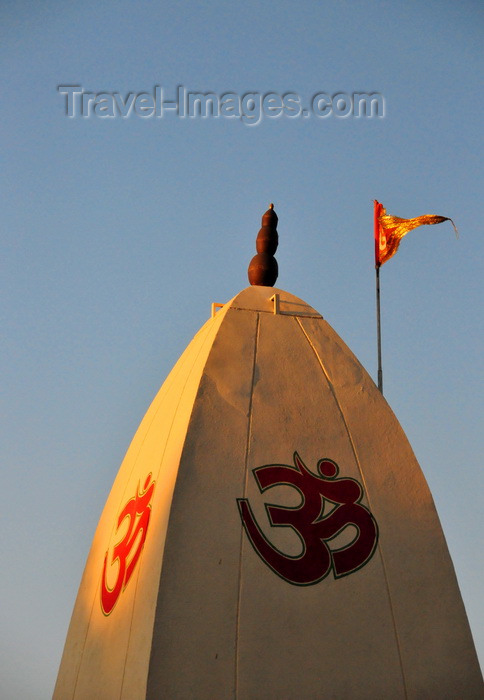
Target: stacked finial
[[263, 268]]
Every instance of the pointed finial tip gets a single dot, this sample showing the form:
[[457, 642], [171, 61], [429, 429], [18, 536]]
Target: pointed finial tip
[[271, 206]]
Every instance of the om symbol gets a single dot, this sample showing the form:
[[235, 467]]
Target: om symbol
[[138, 511], [314, 529]]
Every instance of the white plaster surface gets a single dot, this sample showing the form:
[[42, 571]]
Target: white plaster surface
[[203, 616]]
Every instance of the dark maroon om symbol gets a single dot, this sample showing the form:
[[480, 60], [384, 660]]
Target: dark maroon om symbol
[[314, 529]]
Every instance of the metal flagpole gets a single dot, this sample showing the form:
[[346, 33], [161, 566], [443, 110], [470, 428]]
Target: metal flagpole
[[378, 328], [377, 209]]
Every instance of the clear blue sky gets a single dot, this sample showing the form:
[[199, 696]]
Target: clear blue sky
[[117, 234]]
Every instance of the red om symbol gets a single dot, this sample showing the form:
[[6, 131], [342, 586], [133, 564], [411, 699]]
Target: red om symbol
[[138, 510], [314, 529]]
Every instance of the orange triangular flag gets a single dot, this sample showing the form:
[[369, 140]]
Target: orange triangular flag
[[389, 230]]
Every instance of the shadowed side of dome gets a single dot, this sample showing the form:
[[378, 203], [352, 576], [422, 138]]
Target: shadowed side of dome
[[251, 603]]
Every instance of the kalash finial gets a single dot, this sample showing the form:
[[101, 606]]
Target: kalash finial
[[263, 269]]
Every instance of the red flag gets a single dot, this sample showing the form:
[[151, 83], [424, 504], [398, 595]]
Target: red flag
[[389, 230]]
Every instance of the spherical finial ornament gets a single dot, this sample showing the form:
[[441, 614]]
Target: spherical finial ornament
[[263, 269]]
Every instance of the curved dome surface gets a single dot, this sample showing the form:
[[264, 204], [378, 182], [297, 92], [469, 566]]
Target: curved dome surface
[[269, 534]]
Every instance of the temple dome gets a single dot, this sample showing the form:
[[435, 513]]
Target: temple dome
[[191, 603]]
